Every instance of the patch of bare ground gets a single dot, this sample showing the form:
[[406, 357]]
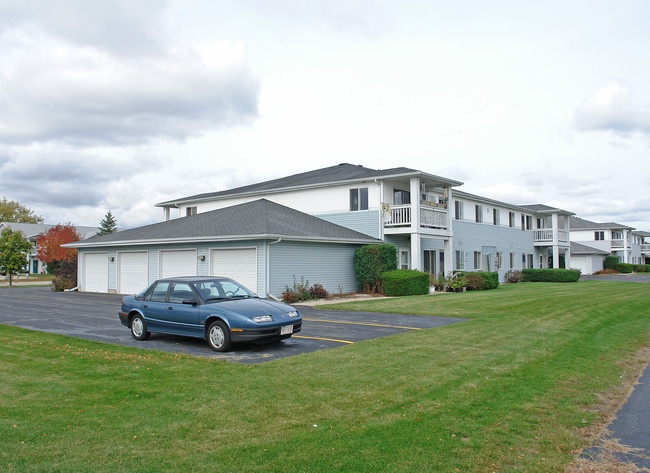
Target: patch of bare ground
[[604, 454]]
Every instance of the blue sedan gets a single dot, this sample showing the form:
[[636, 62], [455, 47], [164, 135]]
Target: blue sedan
[[219, 310]]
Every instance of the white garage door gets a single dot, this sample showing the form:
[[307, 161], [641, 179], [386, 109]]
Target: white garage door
[[239, 264], [177, 263], [95, 272], [133, 272]]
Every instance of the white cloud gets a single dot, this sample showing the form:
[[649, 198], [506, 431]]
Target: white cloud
[[613, 108]]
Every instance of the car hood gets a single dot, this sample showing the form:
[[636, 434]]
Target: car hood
[[253, 307]]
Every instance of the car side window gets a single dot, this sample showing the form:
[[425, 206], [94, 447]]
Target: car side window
[[181, 292], [159, 293]]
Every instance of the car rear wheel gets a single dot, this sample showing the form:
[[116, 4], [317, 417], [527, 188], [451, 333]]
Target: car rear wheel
[[139, 328], [219, 336]]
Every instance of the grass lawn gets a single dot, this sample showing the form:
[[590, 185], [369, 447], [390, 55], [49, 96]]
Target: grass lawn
[[510, 390]]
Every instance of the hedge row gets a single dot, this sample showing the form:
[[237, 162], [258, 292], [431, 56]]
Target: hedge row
[[624, 267], [610, 262], [405, 282], [641, 268], [370, 262], [490, 278], [551, 275]]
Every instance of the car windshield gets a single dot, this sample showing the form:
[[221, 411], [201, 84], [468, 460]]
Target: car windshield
[[215, 290]]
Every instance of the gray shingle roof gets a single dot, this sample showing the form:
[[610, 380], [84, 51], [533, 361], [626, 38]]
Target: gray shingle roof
[[334, 174], [580, 249], [258, 219], [32, 230], [577, 223], [543, 208]]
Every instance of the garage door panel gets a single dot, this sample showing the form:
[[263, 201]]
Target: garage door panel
[[133, 272], [95, 272], [239, 264], [176, 263]]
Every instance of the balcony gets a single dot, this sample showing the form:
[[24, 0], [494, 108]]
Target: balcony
[[617, 244], [645, 248], [400, 216], [545, 235]]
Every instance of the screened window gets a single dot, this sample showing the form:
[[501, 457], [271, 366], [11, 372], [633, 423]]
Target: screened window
[[478, 213], [359, 199], [599, 236], [458, 210], [511, 219], [190, 211], [401, 197], [477, 260], [496, 216], [498, 260], [460, 259]]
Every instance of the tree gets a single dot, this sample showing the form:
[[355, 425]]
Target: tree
[[11, 211], [108, 225], [14, 250], [48, 244], [62, 262]]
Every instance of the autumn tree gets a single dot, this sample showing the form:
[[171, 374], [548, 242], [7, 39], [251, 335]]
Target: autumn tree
[[108, 225], [62, 262], [14, 250], [11, 211]]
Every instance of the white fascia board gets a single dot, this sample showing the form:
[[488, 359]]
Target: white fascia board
[[176, 203], [80, 244], [486, 200]]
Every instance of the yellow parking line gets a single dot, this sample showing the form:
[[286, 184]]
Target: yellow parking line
[[361, 323], [326, 339]]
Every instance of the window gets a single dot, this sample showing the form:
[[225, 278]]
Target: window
[[530, 261], [460, 259], [511, 219], [159, 293], [599, 236], [529, 222], [181, 292], [458, 210], [190, 211], [478, 211], [512, 261], [401, 197], [496, 216], [404, 259], [523, 260], [540, 223], [498, 260], [477, 260], [430, 261], [442, 262], [359, 199]]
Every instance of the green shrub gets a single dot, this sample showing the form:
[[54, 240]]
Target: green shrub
[[299, 291], [514, 276], [640, 268], [624, 267], [405, 282], [490, 278], [610, 262], [474, 282], [551, 275], [370, 262]]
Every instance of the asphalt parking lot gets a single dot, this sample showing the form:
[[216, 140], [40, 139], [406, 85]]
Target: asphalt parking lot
[[94, 317]]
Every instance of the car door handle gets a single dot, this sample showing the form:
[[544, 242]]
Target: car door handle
[[146, 306], [169, 308]]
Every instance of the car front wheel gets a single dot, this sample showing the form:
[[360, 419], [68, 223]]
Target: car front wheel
[[219, 336], [139, 328]]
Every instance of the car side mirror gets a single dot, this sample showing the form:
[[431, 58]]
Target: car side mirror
[[190, 302]]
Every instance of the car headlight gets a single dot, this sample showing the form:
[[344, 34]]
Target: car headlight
[[293, 313], [262, 318]]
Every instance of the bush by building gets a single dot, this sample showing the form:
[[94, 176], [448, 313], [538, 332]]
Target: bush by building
[[405, 282], [370, 262], [610, 262], [624, 268], [551, 275], [490, 279]]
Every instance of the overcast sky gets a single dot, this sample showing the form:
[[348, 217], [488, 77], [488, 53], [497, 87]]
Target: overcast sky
[[120, 104]]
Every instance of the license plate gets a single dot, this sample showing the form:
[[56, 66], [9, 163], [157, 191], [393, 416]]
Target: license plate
[[286, 329]]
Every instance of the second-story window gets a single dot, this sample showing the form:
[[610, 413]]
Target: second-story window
[[478, 211], [359, 199], [511, 219], [401, 197], [458, 210], [496, 216], [529, 222], [599, 236], [190, 211]]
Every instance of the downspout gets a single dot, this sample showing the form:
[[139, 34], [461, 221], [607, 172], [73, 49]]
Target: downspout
[[268, 269]]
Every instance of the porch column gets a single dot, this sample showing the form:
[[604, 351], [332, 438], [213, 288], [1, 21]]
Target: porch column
[[416, 251], [448, 260], [415, 203], [626, 248], [556, 237]]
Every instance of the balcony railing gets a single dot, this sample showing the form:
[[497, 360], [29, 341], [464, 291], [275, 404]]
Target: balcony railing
[[396, 216], [546, 235], [617, 243], [645, 248]]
